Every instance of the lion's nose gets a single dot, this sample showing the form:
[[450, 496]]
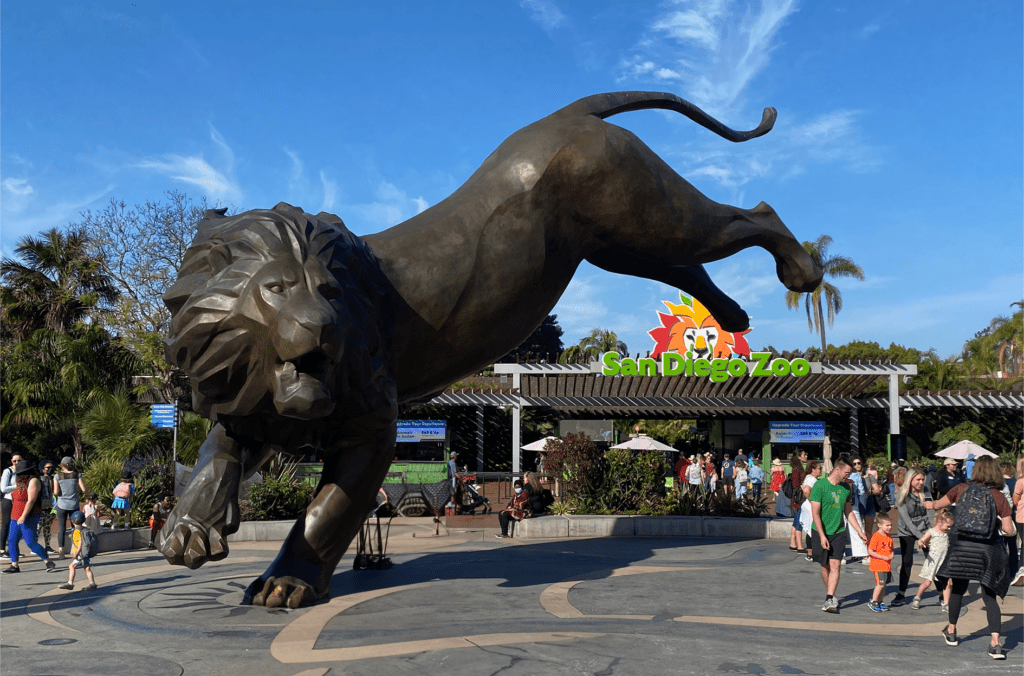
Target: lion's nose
[[305, 329]]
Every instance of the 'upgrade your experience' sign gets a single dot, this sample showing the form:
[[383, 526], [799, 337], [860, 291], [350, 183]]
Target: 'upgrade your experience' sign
[[718, 370]]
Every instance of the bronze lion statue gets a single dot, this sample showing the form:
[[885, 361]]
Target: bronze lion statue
[[297, 333]]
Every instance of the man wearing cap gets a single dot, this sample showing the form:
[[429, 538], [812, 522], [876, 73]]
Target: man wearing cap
[[452, 468], [948, 477]]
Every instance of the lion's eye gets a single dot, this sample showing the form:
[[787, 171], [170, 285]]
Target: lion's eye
[[275, 288]]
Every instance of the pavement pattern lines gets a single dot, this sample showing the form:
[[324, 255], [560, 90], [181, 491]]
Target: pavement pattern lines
[[612, 606]]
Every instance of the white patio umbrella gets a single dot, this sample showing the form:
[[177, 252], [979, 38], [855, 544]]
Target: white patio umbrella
[[644, 443], [539, 445], [961, 449]]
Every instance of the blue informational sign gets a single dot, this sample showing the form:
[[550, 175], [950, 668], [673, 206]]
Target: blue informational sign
[[421, 430], [162, 415], [800, 432]]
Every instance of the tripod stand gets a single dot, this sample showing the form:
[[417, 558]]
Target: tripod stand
[[371, 538]]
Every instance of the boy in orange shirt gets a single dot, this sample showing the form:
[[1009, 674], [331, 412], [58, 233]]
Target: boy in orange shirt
[[880, 551]]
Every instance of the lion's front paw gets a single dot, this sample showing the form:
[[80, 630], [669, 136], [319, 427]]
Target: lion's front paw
[[188, 543], [282, 591]]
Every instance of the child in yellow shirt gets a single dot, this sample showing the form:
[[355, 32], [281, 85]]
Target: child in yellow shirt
[[880, 551], [83, 543]]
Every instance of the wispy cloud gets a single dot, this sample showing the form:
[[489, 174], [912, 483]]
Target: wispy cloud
[[27, 213], [18, 186], [831, 138], [869, 30], [218, 184], [712, 48], [544, 12], [581, 307], [330, 192], [391, 205]]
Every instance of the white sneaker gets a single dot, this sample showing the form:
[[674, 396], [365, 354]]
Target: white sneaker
[[1018, 579]]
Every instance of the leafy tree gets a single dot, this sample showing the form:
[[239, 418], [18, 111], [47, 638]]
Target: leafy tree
[[948, 436], [140, 250], [833, 266], [51, 379], [996, 348], [545, 340], [192, 432], [935, 373], [54, 283], [593, 346], [118, 428]]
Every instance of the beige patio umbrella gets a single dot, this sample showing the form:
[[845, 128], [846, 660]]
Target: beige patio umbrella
[[961, 449], [826, 454], [644, 443]]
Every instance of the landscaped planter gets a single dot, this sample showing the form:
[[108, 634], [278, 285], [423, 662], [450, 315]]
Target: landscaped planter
[[595, 526], [735, 527], [668, 526]]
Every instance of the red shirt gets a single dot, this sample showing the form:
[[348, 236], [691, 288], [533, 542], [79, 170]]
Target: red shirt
[[19, 496]]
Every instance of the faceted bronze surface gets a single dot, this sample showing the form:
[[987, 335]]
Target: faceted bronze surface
[[295, 332]]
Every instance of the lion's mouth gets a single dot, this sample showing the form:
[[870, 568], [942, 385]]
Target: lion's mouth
[[313, 364], [302, 388]]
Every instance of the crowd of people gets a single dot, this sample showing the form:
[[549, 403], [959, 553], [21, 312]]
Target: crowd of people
[[39, 501], [969, 534]]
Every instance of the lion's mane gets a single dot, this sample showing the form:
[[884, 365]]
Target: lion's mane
[[218, 335]]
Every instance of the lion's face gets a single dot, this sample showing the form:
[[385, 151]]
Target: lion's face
[[260, 319]]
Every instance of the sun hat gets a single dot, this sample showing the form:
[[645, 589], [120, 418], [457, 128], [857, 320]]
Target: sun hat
[[778, 462], [949, 461]]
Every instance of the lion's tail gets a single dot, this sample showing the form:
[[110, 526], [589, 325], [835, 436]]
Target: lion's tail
[[613, 103]]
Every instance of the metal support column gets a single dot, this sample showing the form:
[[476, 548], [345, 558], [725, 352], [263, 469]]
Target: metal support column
[[480, 438], [854, 431], [894, 404], [517, 440]]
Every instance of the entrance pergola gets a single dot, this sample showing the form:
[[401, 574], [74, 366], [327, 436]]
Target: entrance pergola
[[576, 388]]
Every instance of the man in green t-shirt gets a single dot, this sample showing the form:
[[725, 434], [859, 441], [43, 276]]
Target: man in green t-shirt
[[830, 503]]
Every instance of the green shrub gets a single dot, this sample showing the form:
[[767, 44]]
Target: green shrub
[[582, 466], [101, 475], [635, 482], [275, 499]]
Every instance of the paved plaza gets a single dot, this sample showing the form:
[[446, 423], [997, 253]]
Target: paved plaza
[[464, 602]]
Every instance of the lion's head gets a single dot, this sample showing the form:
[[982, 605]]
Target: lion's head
[[275, 312]]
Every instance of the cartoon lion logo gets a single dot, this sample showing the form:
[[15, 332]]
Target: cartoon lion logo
[[690, 328], [275, 318]]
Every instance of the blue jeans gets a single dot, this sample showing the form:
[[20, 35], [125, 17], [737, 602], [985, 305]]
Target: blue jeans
[[755, 489], [28, 532]]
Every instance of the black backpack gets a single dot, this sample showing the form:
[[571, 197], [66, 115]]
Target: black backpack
[[787, 487], [975, 517]]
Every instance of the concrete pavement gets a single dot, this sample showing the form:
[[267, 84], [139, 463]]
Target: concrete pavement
[[467, 603]]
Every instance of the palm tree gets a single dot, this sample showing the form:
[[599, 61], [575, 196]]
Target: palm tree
[[834, 266], [53, 283], [593, 346]]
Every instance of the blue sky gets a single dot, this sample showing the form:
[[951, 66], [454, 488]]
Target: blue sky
[[899, 130]]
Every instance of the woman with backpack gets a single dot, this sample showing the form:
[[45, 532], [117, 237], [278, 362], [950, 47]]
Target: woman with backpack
[[976, 552]]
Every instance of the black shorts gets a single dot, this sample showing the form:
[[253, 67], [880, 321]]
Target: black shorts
[[728, 481], [837, 543]]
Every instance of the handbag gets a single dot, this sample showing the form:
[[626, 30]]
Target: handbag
[[882, 504]]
